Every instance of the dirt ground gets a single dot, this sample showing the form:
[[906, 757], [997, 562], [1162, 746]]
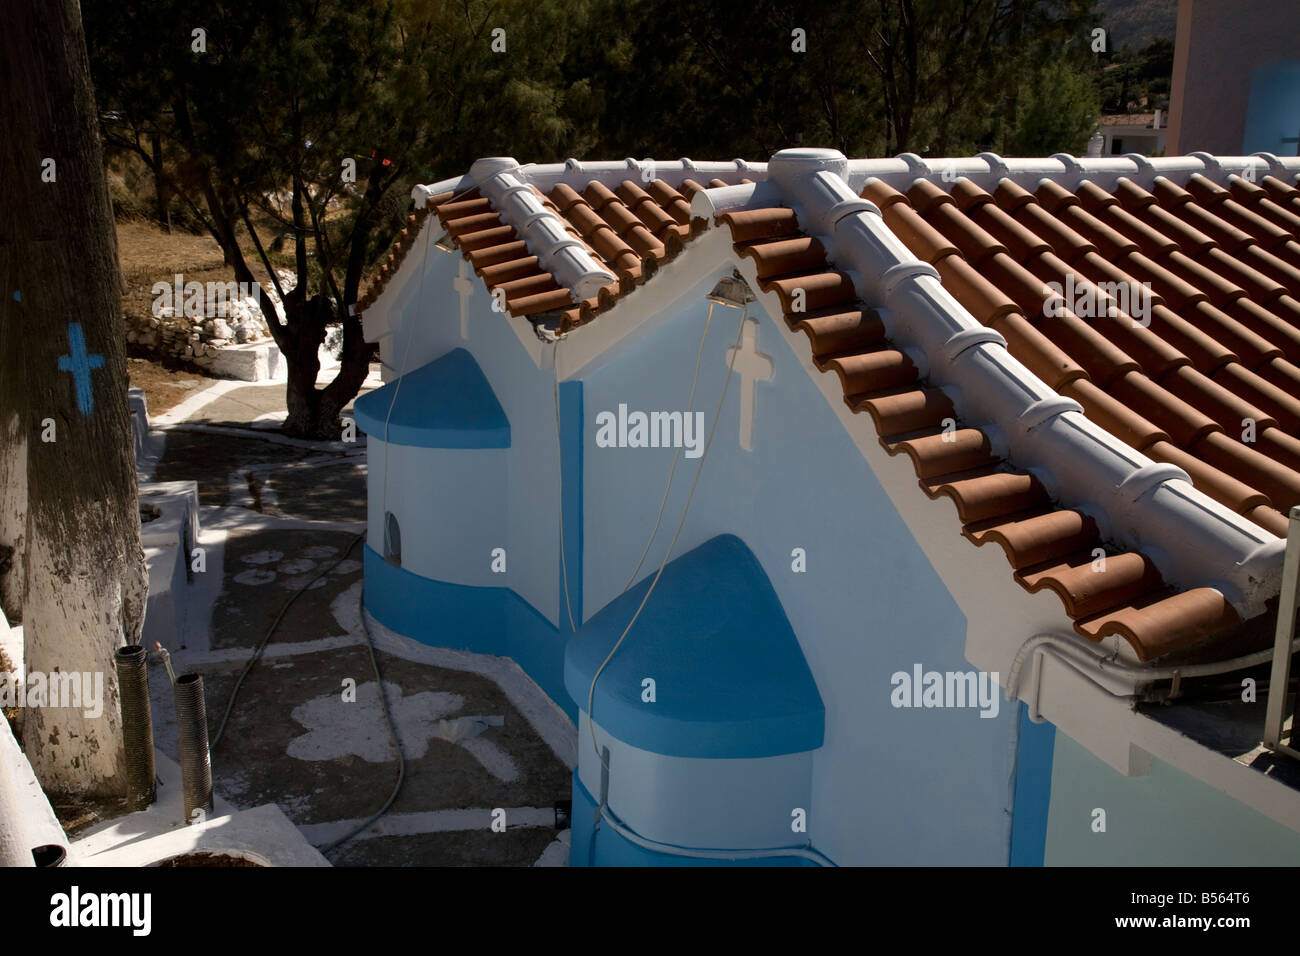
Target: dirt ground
[[165, 385]]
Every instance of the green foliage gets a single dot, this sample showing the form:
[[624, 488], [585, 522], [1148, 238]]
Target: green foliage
[[1058, 113], [1138, 81], [413, 91], [938, 77]]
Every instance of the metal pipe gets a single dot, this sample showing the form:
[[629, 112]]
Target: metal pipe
[[196, 764], [1286, 619], [137, 725]]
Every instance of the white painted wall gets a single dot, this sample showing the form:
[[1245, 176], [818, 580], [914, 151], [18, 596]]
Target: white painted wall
[[739, 803], [1162, 818], [870, 603], [521, 513], [449, 506]]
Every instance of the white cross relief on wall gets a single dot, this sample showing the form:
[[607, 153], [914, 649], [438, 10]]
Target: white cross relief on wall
[[464, 286], [752, 366]]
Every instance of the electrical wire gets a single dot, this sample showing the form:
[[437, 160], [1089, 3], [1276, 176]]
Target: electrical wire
[[591, 693], [676, 458], [672, 849], [559, 446], [392, 730], [266, 638]]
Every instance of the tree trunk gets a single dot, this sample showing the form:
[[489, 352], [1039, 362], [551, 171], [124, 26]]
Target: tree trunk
[[83, 579], [313, 412], [160, 184], [354, 366]]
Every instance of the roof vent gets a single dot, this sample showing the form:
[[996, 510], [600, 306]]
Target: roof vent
[[731, 291]]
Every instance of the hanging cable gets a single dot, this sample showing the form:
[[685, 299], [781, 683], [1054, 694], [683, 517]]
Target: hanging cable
[[677, 457], [591, 693], [559, 446]]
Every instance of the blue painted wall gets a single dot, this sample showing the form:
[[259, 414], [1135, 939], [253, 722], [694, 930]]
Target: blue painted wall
[[1273, 112], [1034, 750]]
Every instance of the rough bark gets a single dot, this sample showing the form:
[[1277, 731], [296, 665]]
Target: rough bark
[[83, 580], [160, 184]]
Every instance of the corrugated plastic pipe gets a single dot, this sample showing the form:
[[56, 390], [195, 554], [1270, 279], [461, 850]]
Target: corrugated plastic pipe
[[196, 764], [1071, 653], [137, 724], [800, 852], [49, 855]]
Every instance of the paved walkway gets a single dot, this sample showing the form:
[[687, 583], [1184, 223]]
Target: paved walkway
[[307, 731]]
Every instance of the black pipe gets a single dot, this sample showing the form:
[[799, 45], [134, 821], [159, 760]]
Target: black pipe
[[196, 766], [49, 855], [137, 725]]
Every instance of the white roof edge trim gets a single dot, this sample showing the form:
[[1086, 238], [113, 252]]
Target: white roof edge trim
[[420, 194], [1196, 541], [904, 169], [988, 169], [708, 204]]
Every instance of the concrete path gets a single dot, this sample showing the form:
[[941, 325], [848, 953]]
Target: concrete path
[[487, 753]]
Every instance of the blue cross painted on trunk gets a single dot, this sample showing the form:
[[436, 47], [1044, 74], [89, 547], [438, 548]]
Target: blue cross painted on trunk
[[80, 365]]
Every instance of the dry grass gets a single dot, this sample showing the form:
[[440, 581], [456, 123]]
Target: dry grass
[[148, 254]]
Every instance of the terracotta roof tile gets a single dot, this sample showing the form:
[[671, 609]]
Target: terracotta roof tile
[[1270, 519], [946, 453], [751, 224], [808, 293], [1280, 483], [836, 332], [1037, 539], [1034, 349], [1219, 485], [873, 371], [1088, 586], [1163, 624], [778, 257], [907, 410], [974, 242], [1113, 415], [994, 254], [990, 495], [980, 296], [1184, 423]]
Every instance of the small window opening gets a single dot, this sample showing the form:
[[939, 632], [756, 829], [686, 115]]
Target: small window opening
[[392, 540]]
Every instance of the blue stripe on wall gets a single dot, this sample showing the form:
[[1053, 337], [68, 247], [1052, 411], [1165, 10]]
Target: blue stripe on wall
[[1033, 791], [571, 425], [483, 620]]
